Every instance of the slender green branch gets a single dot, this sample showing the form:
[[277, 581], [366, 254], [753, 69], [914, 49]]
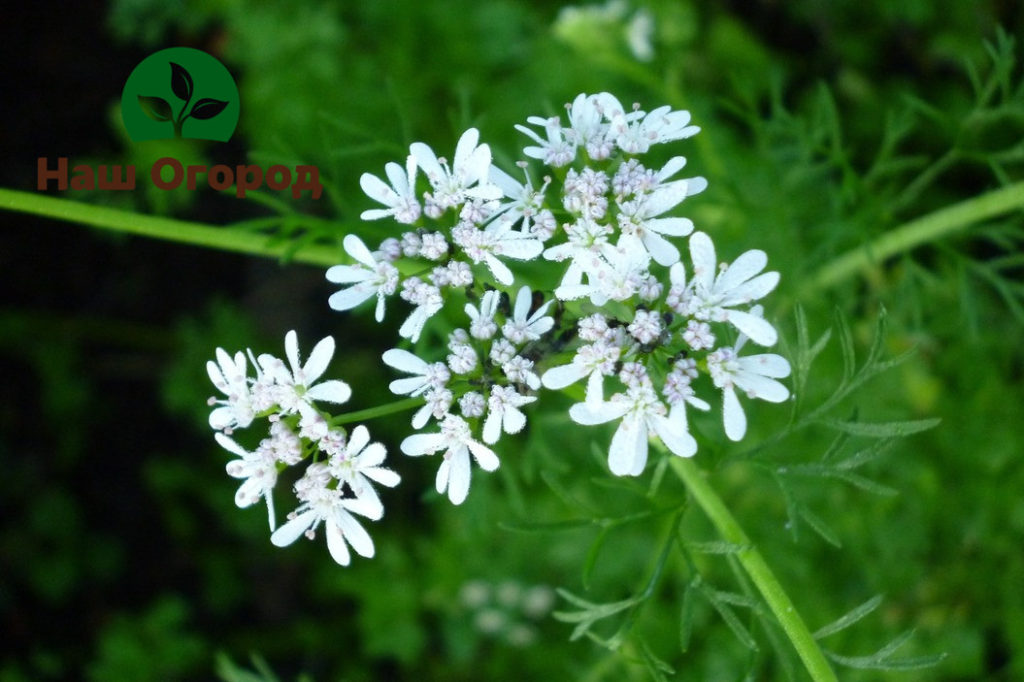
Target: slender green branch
[[379, 411], [922, 230], [198, 234], [758, 570]]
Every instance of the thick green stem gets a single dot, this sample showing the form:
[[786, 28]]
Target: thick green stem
[[758, 570], [379, 411], [925, 229], [198, 234]]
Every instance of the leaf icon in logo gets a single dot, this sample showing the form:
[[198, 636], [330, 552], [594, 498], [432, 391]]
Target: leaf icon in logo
[[207, 108], [156, 108], [181, 82]]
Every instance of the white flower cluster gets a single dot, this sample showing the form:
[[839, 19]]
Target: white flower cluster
[[492, 375], [609, 221], [648, 337], [337, 483]]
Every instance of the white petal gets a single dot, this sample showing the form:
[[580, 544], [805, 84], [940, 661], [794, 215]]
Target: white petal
[[355, 247], [422, 444], [248, 493], [520, 249], [230, 445], [404, 360], [318, 360], [513, 421], [377, 189], [386, 477], [348, 274], [355, 534], [674, 435], [702, 252], [458, 476], [422, 416], [559, 377], [349, 298], [332, 391], [484, 456], [336, 544], [222, 417], [732, 415], [628, 444], [673, 227], [755, 289], [588, 415], [290, 531], [743, 268], [757, 329], [427, 160], [291, 350], [761, 387], [500, 271], [409, 385], [492, 426], [661, 250]]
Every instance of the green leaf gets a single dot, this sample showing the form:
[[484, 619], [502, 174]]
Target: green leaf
[[819, 526], [895, 429], [849, 618], [156, 108], [716, 547]]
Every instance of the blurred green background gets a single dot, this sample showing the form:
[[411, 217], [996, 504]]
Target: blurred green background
[[825, 125]]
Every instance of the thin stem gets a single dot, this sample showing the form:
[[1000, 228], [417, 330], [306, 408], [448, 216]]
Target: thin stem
[[197, 234], [922, 230], [379, 411], [758, 570]]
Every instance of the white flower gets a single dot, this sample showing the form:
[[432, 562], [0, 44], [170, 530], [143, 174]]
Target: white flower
[[258, 469], [466, 179], [503, 413], [427, 299], [639, 217], [229, 376], [713, 297], [586, 123], [556, 150], [524, 327], [646, 326], [321, 504], [358, 464], [497, 239], [519, 370], [482, 325], [755, 375], [295, 386], [635, 132], [400, 198], [595, 361], [641, 412], [454, 438], [526, 202], [367, 277], [428, 379]]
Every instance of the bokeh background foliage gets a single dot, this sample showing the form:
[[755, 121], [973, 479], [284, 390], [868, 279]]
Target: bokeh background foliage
[[825, 125]]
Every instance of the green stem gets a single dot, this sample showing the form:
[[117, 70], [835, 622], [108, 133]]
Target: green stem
[[925, 229], [758, 570], [379, 411], [197, 234]]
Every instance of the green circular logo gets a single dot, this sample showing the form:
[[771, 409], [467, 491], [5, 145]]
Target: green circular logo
[[180, 92]]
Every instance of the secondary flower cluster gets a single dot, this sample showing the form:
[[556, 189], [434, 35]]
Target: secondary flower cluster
[[337, 483]]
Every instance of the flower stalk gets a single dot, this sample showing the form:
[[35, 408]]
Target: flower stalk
[[757, 568]]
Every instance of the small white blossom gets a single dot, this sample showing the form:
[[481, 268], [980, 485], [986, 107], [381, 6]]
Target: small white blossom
[[400, 197], [483, 325], [472, 404], [502, 351], [503, 413], [456, 442], [258, 469], [519, 370], [229, 376], [425, 375], [522, 326], [358, 464], [427, 299], [497, 239], [294, 384], [556, 151], [321, 504], [636, 132], [367, 277], [594, 361], [466, 179], [646, 326], [714, 298], [641, 413], [755, 375]]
